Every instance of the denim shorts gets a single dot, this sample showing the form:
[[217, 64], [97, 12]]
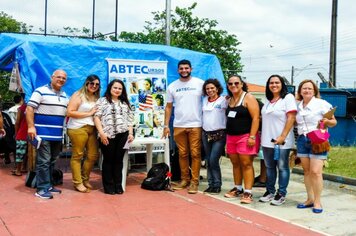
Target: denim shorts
[[304, 149]]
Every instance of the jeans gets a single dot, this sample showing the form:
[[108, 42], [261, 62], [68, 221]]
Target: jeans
[[188, 141], [213, 151], [283, 170], [113, 162], [46, 158], [83, 141]]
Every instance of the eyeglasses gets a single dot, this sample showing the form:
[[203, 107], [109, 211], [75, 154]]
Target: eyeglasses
[[92, 84], [234, 83], [60, 77]]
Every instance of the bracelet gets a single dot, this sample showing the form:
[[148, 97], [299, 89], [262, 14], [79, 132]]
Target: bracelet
[[252, 137], [165, 126], [130, 133]]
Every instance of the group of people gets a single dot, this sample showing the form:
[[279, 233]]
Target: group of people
[[214, 122], [232, 122], [89, 117]]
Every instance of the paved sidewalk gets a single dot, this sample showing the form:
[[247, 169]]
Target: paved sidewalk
[[137, 212], [339, 203], [142, 212]]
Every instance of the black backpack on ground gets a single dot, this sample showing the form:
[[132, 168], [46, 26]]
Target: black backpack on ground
[[57, 177], [158, 178]]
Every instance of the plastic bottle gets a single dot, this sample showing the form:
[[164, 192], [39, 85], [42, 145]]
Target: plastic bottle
[[276, 152]]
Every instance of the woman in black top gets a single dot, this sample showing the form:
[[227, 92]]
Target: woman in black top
[[242, 140]]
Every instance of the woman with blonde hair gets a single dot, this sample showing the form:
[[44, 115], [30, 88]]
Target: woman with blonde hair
[[82, 132], [311, 111]]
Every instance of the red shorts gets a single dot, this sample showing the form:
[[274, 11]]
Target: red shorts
[[237, 144]]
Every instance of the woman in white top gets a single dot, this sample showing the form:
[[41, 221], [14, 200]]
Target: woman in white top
[[214, 136], [82, 133], [278, 117], [311, 110]]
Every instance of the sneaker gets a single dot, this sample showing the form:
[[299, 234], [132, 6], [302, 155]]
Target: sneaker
[[193, 189], [54, 190], [215, 191], [234, 193], [44, 195], [182, 185], [208, 190], [267, 197], [278, 200], [246, 198]]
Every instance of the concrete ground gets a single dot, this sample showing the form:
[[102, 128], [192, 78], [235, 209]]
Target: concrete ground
[[339, 203], [142, 212]]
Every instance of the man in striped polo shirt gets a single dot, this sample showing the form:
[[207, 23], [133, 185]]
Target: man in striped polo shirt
[[45, 114]]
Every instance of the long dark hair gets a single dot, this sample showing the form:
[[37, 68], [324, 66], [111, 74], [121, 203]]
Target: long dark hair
[[216, 83], [244, 85], [282, 93], [122, 97]]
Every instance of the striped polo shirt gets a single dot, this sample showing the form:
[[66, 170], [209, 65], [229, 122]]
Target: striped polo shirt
[[50, 111]]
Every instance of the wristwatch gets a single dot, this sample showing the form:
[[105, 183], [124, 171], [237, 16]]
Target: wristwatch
[[252, 137]]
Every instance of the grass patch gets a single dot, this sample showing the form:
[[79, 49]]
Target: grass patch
[[342, 161]]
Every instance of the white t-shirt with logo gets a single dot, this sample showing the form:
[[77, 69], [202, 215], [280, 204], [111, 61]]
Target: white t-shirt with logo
[[214, 117], [187, 100], [274, 118]]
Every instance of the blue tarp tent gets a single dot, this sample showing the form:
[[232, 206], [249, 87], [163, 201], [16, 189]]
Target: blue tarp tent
[[38, 56]]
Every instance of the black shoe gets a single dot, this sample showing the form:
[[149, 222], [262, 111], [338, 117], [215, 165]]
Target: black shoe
[[208, 190], [109, 192], [119, 190], [259, 184], [215, 191]]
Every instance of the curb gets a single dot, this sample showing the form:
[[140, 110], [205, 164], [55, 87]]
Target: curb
[[330, 177]]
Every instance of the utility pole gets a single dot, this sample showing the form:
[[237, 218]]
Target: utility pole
[[168, 22], [332, 61], [292, 76], [93, 22], [45, 24], [116, 16]]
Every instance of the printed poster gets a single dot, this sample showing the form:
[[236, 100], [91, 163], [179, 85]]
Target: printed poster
[[146, 84]]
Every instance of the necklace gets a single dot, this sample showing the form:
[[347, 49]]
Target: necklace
[[235, 102]]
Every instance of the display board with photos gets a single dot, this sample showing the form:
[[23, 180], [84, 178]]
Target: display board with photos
[[146, 84]]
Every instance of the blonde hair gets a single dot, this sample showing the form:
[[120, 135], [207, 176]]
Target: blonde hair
[[83, 91]]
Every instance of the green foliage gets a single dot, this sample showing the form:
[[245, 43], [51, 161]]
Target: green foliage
[[10, 25], [342, 161], [192, 33], [5, 94]]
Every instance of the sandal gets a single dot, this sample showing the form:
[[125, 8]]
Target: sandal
[[13, 172], [81, 188]]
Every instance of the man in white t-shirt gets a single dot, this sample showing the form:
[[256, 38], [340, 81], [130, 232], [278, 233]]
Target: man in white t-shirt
[[186, 94]]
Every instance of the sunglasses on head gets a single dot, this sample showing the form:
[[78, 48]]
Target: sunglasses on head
[[93, 83], [233, 83]]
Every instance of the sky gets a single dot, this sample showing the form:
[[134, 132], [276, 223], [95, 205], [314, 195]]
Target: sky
[[274, 35]]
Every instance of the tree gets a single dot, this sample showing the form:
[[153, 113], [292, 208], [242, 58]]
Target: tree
[[192, 33], [10, 25]]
